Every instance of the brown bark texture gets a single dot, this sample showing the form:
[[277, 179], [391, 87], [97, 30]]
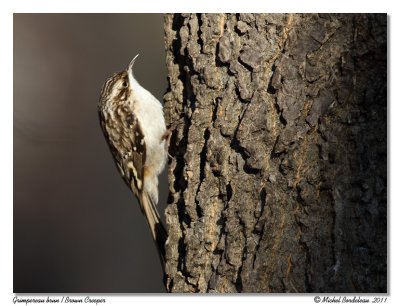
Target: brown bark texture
[[278, 172]]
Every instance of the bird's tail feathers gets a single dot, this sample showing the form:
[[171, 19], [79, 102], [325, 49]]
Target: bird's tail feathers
[[153, 219]]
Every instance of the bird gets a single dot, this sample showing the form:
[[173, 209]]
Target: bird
[[133, 124]]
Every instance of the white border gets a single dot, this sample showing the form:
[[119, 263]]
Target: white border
[[127, 6], [205, 6]]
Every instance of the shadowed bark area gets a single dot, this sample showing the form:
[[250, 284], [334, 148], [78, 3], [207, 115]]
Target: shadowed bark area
[[278, 175]]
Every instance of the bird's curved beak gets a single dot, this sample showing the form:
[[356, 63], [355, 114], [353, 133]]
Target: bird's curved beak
[[130, 66]]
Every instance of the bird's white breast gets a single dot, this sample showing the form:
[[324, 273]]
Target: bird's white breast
[[151, 117]]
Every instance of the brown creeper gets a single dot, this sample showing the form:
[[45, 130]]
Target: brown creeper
[[133, 124]]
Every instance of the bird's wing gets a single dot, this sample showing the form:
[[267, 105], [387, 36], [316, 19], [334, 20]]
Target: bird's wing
[[128, 147]]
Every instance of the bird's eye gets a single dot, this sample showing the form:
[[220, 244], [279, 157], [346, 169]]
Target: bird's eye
[[125, 84]]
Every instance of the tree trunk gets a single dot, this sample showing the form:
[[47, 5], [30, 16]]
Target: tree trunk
[[278, 169]]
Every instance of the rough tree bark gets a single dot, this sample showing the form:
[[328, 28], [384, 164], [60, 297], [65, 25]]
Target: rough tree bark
[[278, 175]]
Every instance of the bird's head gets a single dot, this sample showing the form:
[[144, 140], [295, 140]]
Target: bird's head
[[118, 88]]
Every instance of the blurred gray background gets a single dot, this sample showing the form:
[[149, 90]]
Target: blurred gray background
[[77, 227]]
